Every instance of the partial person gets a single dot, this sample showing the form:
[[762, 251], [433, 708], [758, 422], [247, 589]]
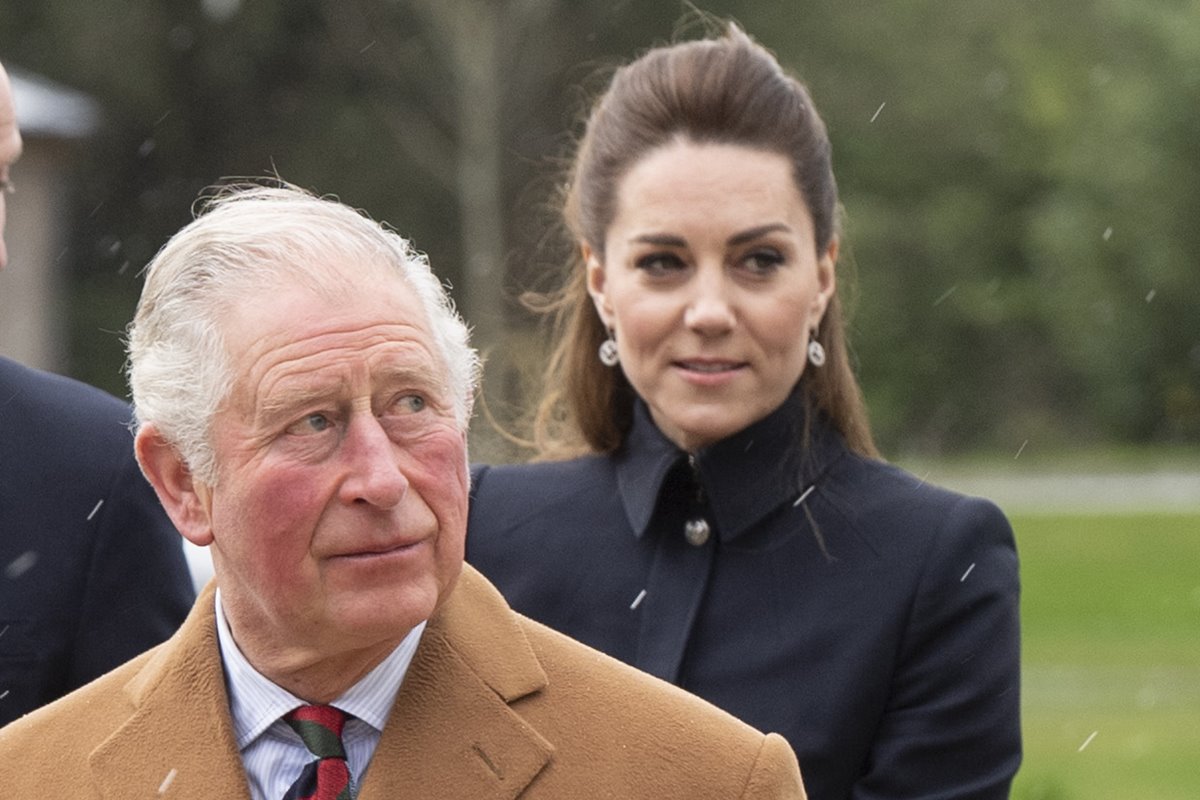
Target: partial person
[[302, 388], [91, 570], [710, 506]]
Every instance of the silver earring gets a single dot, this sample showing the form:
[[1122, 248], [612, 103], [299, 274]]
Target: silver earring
[[816, 353], [609, 356]]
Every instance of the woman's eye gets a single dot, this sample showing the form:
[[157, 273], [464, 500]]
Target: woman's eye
[[763, 261], [659, 263]]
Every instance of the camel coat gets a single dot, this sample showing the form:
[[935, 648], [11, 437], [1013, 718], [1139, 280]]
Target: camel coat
[[494, 706]]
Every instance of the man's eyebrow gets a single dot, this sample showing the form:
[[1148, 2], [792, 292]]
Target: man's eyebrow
[[290, 401], [423, 374]]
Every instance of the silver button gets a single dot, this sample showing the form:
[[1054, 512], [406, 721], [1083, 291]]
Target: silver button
[[696, 531]]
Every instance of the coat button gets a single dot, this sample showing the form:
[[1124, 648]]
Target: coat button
[[696, 531]]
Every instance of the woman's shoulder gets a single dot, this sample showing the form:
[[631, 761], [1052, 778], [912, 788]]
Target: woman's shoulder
[[508, 492], [890, 504], [540, 476], [556, 511]]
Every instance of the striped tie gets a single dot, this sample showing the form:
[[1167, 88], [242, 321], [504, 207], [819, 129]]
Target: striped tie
[[327, 778]]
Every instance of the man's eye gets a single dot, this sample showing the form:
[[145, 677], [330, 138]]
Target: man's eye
[[7, 186], [310, 424], [411, 403]]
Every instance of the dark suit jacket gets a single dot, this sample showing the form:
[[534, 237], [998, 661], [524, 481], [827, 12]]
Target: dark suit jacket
[[868, 616], [493, 707], [91, 570]]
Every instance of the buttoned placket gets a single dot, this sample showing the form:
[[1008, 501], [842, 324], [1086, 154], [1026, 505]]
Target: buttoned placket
[[678, 580], [750, 475]]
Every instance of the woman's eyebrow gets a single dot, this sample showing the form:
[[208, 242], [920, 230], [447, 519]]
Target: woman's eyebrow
[[661, 239], [755, 233], [749, 235]]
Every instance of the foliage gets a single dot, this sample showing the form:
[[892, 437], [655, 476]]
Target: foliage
[[1020, 179]]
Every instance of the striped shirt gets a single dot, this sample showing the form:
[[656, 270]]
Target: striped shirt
[[271, 751]]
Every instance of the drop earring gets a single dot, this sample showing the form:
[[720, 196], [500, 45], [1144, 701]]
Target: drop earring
[[609, 356], [816, 353]]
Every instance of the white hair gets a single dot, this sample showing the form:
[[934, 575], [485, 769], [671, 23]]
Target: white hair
[[246, 241]]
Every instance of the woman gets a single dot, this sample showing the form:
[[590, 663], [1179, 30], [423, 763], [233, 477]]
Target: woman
[[726, 523]]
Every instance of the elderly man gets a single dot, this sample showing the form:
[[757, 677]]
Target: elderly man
[[91, 571], [303, 388]]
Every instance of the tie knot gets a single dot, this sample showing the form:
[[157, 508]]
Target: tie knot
[[320, 728]]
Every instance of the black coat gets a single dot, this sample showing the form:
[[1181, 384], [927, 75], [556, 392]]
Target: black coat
[[91, 570], [868, 616]]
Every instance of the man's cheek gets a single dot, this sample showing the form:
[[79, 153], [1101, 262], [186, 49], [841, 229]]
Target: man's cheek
[[272, 501], [439, 456]]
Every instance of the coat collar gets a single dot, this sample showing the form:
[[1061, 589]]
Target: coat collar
[[744, 477], [452, 728], [179, 735], [451, 731]]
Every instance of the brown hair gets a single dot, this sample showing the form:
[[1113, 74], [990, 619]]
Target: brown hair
[[727, 90]]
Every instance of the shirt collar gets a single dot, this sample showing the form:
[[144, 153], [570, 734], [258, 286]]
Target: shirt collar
[[744, 476], [255, 702]]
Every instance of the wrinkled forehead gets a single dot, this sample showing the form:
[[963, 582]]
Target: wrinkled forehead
[[349, 276], [305, 339], [327, 287]]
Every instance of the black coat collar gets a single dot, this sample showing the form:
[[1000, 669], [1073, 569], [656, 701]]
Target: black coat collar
[[744, 477]]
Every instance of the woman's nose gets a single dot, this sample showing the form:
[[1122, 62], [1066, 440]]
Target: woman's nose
[[710, 309]]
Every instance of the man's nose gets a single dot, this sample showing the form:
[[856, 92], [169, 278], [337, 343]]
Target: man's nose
[[374, 474]]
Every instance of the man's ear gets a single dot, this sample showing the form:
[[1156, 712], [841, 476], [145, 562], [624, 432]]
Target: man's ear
[[187, 501]]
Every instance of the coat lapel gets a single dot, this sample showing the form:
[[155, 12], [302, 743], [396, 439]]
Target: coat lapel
[[452, 732], [179, 740]]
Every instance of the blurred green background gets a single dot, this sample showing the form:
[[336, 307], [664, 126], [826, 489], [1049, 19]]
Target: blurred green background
[[1021, 179], [1021, 183]]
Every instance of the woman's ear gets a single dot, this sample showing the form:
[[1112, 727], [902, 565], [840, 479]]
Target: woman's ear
[[826, 278], [596, 284], [187, 501]]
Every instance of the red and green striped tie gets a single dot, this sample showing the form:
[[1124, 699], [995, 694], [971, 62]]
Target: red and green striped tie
[[327, 778]]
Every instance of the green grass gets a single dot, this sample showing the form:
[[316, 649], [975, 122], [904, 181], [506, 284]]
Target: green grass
[[1111, 647]]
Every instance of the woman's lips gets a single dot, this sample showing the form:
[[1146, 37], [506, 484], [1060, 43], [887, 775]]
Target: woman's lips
[[709, 366], [709, 373]]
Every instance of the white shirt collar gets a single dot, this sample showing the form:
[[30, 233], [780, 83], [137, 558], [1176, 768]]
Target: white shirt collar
[[255, 702]]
